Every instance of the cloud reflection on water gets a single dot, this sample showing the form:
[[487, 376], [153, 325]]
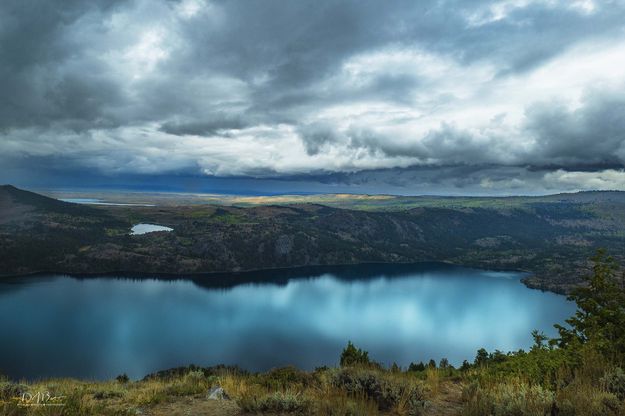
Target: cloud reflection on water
[[100, 327]]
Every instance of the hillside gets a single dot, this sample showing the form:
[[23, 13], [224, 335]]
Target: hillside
[[550, 237]]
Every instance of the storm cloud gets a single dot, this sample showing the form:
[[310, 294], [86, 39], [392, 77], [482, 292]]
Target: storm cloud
[[511, 96]]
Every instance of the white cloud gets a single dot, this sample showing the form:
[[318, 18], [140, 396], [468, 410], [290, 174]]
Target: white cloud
[[190, 8], [609, 179]]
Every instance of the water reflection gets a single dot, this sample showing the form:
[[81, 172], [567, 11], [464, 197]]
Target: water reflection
[[100, 327]]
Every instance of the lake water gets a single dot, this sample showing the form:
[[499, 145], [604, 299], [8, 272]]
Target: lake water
[[94, 201], [56, 325], [139, 229]]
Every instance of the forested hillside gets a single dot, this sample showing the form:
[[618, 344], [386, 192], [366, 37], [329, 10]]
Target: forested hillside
[[550, 237]]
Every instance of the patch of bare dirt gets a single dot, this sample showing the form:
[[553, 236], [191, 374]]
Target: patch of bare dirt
[[448, 401], [190, 406]]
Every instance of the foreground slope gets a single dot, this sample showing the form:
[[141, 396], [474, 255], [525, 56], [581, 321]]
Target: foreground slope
[[550, 237]]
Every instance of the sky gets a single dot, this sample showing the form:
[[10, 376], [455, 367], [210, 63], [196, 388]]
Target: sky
[[407, 97]]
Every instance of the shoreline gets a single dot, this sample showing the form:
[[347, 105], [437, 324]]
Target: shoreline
[[236, 275]]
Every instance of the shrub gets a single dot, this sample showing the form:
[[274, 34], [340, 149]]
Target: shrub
[[285, 378], [194, 382], [10, 390], [539, 366], [507, 399], [614, 382], [387, 392], [194, 377], [122, 378], [586, 400], [277, 402]]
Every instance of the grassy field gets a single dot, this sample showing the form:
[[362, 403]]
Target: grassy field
[[358, 390], [523, 384]]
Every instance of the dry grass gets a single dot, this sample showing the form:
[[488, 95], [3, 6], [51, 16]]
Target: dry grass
[[74, 397], [283, 391], [433, 380]]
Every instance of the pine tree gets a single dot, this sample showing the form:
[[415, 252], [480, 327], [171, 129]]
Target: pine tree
[[599, 321]]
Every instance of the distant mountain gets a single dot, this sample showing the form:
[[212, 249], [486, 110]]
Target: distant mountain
[[38, 233], [11, 196], [551, 237], [14, 199]]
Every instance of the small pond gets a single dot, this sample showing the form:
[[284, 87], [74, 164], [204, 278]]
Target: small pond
[[139, 229]]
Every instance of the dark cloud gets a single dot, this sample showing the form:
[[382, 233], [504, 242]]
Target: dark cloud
[[315, 136], [593, 134], [466, 95], [39, 83], [204, 128]]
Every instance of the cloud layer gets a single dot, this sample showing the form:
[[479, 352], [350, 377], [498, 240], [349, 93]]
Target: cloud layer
[[512, 96]]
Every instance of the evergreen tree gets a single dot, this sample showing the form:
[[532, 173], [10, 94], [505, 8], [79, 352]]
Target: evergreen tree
[[481, 358], [353, 356], [416, 367], [465, 366], [599, 321]]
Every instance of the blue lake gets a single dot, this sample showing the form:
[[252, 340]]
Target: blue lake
[[99, 327]]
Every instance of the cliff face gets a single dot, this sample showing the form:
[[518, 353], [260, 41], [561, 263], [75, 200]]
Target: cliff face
[[551, 240]]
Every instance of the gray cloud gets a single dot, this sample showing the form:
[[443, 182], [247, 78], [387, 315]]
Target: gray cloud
[[594, 133], [40, 76], [316, 136], [460, 93], [204, 128]]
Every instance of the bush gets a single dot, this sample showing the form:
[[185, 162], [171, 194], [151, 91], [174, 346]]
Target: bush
[[122, 378], [508, 399], [194, 382], [194, 377], [387, 392], [10, 390], [614, 382], [586, 400], [285, 378], [277, 402]]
